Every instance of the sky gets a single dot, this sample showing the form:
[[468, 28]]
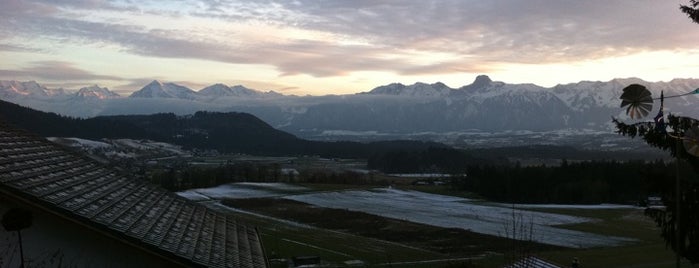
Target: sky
[[340, 47]]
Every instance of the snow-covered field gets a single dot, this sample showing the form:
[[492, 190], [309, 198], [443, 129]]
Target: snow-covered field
[[241, 190], [432, 209], [601, 206], [453, 212]]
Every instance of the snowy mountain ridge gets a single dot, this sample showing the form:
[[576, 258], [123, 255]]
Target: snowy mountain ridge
[[483, 105], [29, 88], [95, 91], [157, 89]]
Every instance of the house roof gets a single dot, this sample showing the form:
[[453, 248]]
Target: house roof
[[532, 262], [140, 213]]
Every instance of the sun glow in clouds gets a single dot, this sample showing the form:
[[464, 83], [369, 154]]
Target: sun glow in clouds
[[338, 47], [655, 65]]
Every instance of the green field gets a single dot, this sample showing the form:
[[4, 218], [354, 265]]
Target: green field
[[649, 251], [283, 241]]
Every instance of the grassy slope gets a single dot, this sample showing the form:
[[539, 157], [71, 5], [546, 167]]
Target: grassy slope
[[283, 241], [650, 250]]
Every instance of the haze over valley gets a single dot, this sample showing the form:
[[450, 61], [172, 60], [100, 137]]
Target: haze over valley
[[474, 115]]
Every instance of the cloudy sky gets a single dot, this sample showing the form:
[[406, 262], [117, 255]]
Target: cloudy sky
[[337, 47]]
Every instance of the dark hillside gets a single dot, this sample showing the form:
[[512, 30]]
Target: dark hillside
[[225, 132]]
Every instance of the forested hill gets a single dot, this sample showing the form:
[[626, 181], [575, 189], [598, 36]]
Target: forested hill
[[225, 132]]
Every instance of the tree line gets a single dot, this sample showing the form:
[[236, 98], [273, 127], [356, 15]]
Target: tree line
[[192, 176], [497, 179], [590, 182]]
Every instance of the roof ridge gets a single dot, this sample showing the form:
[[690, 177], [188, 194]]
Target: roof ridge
[[85, 191]]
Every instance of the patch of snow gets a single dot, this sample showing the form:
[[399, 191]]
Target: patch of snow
[[243, 190], [192, 195], [82, 142], [420, 175], [454, 212], [120, 154], [600, 206], [275, 186], [232, 191], [350, 133], [132, 143]]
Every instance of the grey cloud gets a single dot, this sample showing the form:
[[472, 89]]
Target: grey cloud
[[308, 57], [447, 67], [131, 85], [20, 9], [84, 4], [54, 70], [532, 31], [520, 31], [16, 48]]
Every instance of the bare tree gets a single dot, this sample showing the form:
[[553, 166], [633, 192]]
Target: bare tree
[[521, 232]]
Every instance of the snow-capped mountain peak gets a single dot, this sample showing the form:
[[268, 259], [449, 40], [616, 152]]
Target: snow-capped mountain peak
[[239, 90], [221, 90], [481, 81], [95, 91], [157, 89], [30, 88], [390, 89], [418, 89], [215, 90]]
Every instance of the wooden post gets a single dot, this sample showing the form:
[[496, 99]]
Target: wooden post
[[678, 237]]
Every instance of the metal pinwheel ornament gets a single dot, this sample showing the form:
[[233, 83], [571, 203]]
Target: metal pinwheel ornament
[[638, 102], [638, 99]]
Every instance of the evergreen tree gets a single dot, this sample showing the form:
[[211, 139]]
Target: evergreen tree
[[692, 10], [684, 241]]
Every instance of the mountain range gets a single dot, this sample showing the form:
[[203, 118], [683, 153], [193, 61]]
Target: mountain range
[[396, 110]]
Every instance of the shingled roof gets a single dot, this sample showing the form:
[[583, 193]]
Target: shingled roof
[[137, 212]]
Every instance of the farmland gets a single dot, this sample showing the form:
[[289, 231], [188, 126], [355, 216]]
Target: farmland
[[384, 226]]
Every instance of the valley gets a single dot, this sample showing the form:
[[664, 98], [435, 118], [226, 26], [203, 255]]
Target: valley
[[365, 217], [336, 133], [409, 197]]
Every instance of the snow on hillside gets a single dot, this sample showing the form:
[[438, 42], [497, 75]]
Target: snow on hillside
[[122, 148], [78, 142], [146, 145]]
